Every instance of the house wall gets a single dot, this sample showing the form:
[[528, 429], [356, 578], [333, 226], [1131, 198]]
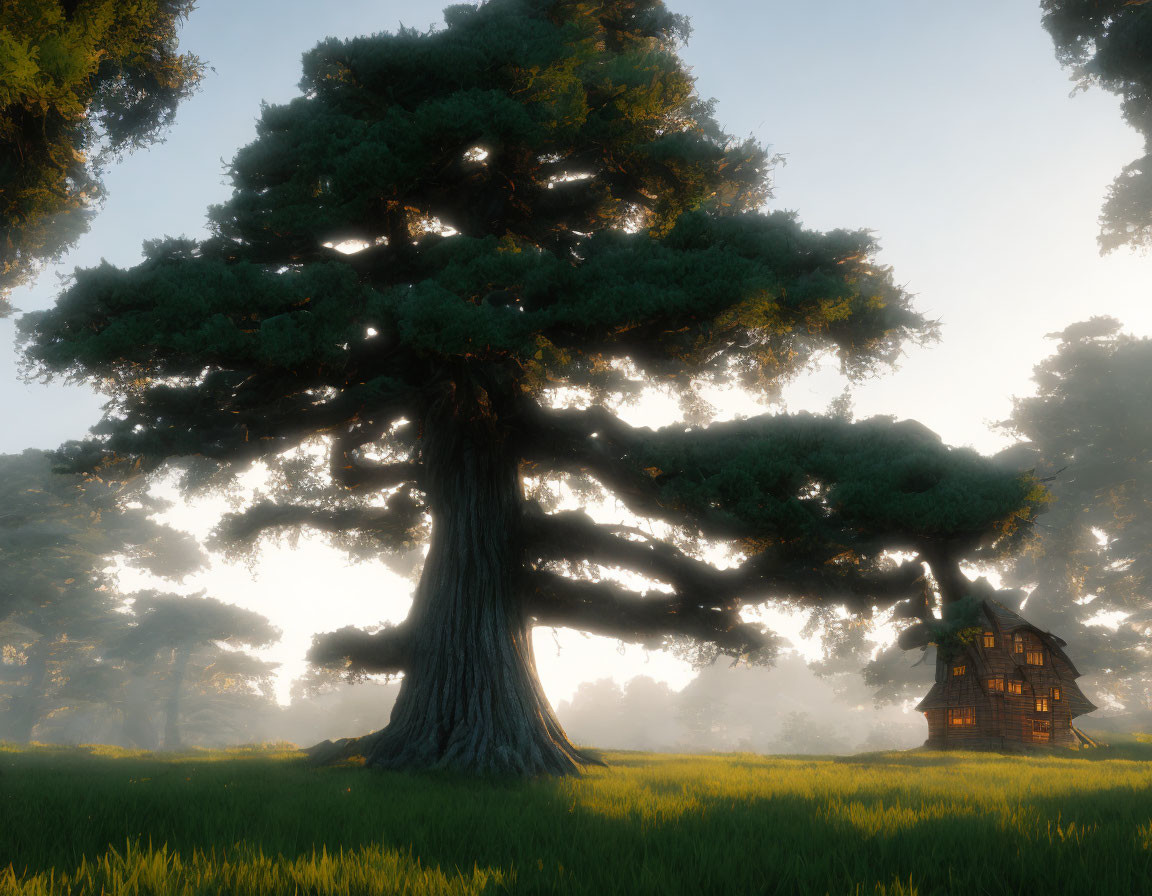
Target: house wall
[[1002, 718]]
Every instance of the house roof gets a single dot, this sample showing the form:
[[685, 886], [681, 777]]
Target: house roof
[[935, 699], [1008, 621]]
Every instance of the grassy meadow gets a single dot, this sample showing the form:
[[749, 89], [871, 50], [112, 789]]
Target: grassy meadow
[[261, 821]]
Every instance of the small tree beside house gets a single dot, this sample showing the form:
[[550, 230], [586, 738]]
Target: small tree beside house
[[1002, 683]]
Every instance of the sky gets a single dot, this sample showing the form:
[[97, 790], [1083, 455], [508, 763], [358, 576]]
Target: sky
[[946, 129]]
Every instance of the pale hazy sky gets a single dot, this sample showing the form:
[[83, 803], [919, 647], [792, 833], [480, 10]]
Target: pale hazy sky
[[947, 129]]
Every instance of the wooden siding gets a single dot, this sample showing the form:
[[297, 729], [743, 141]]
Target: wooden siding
[[1003, 718]]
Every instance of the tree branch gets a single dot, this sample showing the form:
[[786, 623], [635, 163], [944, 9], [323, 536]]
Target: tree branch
[[606, 609], [596, 442], [354, 650], [399, 521], [573, 534], [352, 473]]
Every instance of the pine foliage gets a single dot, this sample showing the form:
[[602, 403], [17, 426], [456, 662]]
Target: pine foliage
[[1108, 44]]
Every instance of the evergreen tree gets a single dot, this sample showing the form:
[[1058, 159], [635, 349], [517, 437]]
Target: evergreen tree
[[1089, 428], [58, 536], [174, 630], [421, 251], [104, 700], [1108, 43], [80, 81]]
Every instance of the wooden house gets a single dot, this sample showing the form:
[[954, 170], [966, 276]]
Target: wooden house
[[1013, 688]]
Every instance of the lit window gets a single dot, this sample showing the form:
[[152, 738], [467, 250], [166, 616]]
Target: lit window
[[1018, 644], [1055, 693], [958, 670], [996, 684], [1035, 657], [964, 716], [1014, 687], [1041, 704], [989, 639]]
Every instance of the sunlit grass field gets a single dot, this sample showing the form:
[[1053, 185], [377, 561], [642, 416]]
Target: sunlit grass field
[[107, 821]]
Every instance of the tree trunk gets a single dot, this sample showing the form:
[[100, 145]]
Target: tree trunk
[[172, 704], [470, 699], [953, 584]]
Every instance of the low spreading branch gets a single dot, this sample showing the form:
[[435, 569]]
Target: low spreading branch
[[572, 535], [355, 651], [606, 609], [597, 443], [353, 473], [400, 521]]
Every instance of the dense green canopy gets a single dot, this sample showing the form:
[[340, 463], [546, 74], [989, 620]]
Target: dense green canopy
[[445, 231], [1108, 43], [80, 80]]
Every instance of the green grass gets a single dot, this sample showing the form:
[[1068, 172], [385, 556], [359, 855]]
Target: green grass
[[259, 822]]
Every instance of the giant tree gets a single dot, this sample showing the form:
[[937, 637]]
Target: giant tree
[[421, 251], [1108, 43], [80, 81]]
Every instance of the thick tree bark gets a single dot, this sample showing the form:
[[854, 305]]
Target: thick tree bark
[[470, 699], [172, 739]]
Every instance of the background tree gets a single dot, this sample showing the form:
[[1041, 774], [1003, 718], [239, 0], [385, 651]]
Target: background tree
[[175, 629], [1108, 43], [59, 535], [738, 708], [1089, 427], [640, 715], [101, 700], [800, 733], [1086, 432], [538, 199], [80, 81]]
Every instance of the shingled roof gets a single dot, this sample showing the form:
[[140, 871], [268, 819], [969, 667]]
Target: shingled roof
[[935, 699], [1008, 621]]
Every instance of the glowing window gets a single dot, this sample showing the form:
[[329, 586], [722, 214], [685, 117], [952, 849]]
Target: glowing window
[[959, 670], [965, 715], [1035, 657], [1018, 644], [1055, 693], [1014, 687], [989, 639], [1041, 704], [996, 684]]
